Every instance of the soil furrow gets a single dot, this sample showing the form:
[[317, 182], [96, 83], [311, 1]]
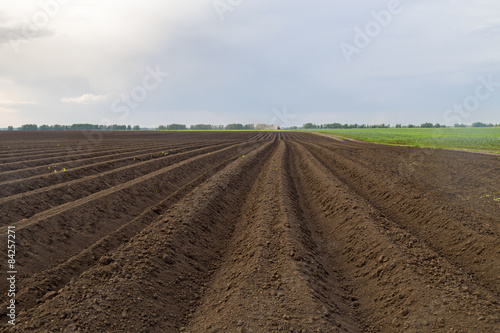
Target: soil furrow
[[398, 282], [271, 278], [65, 154], [49, 153], [162, 270], [26, 205], [70, 159], [472, 242], [249, 232], [57, 277], [92, 147], [78, 224], [44, 170], [57, 174]]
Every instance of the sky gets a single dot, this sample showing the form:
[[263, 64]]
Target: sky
[[279, 62]]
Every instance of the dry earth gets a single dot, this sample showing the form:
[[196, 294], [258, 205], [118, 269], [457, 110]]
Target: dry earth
[[247, 232]]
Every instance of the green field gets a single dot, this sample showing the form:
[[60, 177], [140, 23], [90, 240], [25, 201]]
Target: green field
[[482, 139]]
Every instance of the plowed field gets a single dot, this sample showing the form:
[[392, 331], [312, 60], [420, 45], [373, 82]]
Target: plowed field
[[247, 232]]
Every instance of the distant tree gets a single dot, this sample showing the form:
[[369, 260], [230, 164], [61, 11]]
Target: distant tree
[[129, 128], [411, 126], [44, 128], [427, 125], [459, 125], [136, 128], [28, 127], [398, 126], [249, 127], [309, 126], [234, 127], [116, 127], [202, 127], [10, 128], [334, 125], [260, 127], [478, 124], [438, 125], [176, 127], [161, 128], [82, 127]]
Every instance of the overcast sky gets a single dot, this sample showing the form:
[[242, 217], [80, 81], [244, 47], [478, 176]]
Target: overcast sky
[[285, 62]]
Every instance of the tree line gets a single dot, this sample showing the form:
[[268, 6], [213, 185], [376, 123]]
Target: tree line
[[339, 125], [424, 125], [170, 127], [208, 127], [75, 127], [234, 126]]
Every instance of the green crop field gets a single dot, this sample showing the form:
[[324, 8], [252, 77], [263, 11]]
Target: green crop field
[[483, 139]]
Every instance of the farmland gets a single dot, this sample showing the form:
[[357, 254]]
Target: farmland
[[481, 139], [248, 232]]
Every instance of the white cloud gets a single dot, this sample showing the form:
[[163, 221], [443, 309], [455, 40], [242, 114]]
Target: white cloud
[[86, 99]]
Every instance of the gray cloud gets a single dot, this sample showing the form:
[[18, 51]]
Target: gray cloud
[[17, 33], [262, 56]]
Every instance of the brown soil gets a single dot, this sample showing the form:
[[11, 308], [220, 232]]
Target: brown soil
[[247, 232]]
